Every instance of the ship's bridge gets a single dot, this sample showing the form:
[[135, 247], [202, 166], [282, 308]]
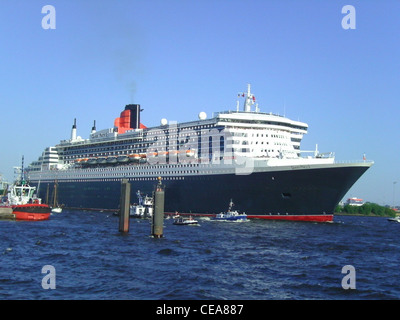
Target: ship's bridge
[[260, 120]]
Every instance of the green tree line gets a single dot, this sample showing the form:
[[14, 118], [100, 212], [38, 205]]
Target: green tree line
[[366, 209]]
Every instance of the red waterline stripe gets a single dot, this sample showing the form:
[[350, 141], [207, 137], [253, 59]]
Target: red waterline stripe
[[312, 218]]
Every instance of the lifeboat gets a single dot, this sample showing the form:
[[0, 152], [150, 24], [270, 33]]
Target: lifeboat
[[123, 159], [190, 153], [151, 154], [112, 159], [162, 153], [143, 157], [101, 160], [134, 157], [92, 161]]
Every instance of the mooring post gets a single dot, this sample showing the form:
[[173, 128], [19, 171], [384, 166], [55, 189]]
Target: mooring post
[[124, 206], [158, 216]]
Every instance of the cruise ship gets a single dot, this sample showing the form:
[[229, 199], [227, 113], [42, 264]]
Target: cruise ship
[[244, 154]]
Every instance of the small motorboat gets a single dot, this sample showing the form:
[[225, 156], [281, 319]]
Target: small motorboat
[[176, 215], [396, 219], [185, 221], [56, 210], [230, 215]]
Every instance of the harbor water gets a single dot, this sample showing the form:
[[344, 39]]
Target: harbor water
[[253, 260]]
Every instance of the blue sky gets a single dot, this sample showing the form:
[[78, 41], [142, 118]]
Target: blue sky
[[179, 57]]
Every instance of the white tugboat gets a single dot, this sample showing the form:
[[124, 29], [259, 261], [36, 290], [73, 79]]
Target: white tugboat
[[144, 207], [230, 215]]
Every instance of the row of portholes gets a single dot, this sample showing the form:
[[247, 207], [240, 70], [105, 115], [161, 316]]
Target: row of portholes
[[104, 178], [119, 179]]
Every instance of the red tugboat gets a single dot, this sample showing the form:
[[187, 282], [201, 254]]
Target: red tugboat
[[25, 204]]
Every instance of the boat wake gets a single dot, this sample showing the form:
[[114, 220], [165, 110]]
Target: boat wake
[[233, 221]]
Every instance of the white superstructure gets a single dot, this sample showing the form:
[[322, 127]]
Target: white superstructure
[[248, 133]]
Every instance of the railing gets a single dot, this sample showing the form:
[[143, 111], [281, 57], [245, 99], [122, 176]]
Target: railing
[[353, 161]]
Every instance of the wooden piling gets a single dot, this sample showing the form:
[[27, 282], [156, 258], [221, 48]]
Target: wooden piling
[[158, 212], [124, 206]]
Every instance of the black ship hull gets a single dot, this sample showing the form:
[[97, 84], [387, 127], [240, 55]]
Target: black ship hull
[[303, 194]]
